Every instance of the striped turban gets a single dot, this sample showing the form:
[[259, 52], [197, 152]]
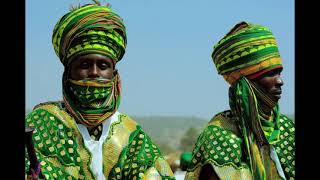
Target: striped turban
[[89, 29], [247, 50]]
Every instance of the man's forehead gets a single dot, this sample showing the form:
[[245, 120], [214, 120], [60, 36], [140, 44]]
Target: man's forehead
[[272, 72]]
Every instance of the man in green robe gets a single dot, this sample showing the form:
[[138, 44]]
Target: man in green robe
[[252, 140], [84, 136]]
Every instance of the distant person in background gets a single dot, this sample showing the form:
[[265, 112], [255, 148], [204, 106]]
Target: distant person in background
[[84, 136], [184, 162], [253, 140]]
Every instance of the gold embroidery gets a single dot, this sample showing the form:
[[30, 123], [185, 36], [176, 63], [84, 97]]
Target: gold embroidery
[[151, 174], [193, 175], [229, 172], [221, 120], [163, 167], [117, 139], [69, 121], [225, 172], [72, 170]]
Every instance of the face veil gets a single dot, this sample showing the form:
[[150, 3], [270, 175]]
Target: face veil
[[92, 100]]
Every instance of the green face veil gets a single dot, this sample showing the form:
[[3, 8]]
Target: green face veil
[[90, 29], [92, 100]]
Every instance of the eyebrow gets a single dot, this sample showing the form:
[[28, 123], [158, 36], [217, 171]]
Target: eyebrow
[[98, 60]]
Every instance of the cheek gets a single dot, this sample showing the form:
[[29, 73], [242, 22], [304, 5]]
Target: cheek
[[107, 73], [78, 74], [269, 83]]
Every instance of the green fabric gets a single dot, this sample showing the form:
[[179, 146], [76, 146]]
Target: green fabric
[[244, 103], [52, 138], [242, 48], [87, 94], [252, 130], [92, 104], [95, 133], [285, 148], [270, 126], [56, 147], [89, 29], [218, 145], [139, 156], [245, 107], [271, 130], [222, 145]]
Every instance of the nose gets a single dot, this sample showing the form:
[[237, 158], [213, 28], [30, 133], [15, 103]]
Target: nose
[[279, 81], [93, 71]]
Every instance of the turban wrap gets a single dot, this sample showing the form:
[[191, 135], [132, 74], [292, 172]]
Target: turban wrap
[[247, 50], [89, 29]]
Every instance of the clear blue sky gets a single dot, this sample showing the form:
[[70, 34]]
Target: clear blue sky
[[167, 68]]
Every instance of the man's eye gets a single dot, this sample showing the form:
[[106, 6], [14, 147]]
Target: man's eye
[[104, 65], [278, 72], [84, 65], [271, 73]]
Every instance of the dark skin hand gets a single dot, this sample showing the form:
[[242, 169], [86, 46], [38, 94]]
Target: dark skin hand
[[271, 82], [92, 66]]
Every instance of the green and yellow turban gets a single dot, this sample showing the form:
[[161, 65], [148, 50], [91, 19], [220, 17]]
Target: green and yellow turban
[[249, 50], [89, 29]]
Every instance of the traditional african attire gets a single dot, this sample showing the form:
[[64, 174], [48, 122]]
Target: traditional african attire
[[242, 143], [84, 136]]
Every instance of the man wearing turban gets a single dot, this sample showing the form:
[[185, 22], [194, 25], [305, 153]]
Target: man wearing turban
[[84, 136], [252, 140]]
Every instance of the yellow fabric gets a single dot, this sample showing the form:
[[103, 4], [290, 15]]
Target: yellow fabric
[[235, 75], [258, 166], [69, 122], [114, 144], [270, 167]]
